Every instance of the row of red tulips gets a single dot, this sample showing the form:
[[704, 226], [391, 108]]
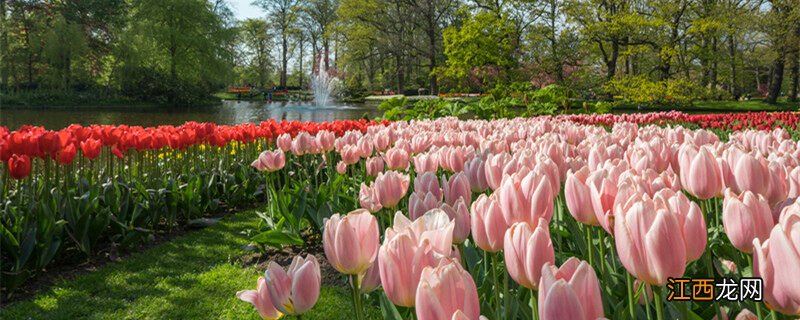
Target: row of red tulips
[[623, 213], [66, 193], [17, 147], [722, 121]]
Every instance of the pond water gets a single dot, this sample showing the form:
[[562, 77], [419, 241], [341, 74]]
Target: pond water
[[229, 112]]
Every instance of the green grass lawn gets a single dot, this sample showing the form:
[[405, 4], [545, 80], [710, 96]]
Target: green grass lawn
[[751, 105], [194, 276]]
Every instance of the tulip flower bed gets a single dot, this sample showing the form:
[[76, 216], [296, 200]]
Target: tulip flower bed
[[543, 218], [65, 193]]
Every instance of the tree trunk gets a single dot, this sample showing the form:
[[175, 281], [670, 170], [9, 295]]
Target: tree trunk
[[777, 78], [284, 58], [302, 43], [732, 52], [713, 74], [794, 62], [399, 69], [4, 65], [611, 63], [432, 56]]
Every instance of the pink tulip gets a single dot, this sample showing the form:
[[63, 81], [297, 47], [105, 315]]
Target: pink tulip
[[457, 187], [488, 225], [428, 183], [374, 166], [690, 219], [341, 167], [325, 139], [304, 143], [578, 197], [778, 183], [793, 183], [368, 198], [777, 261], [426, 162], [569, 292], [446, 290], [526, 197], [727, 163], [350, 154], [603, 192], [401, 261], [396, 159], [284, 142], [550, 169], [295, 290], [752, 173], [434, 228], [493, 169], [476, 174], [460, 215], [372, 279], [382, 141], [391, 186], [270, 161], [526, 251], [453, 158], [648, 245], [699, 171], [419, 204], [665, 180], [729, 265], [365, 147], [746, 217], [261, 300], [420, 143], [351, 241]]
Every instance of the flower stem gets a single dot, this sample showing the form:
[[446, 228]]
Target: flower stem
[[710, 270], [589, 243], [495, 279], [356, 296], [602, 244], [758, 304], [629, 284], [659, 303], [534, 306]]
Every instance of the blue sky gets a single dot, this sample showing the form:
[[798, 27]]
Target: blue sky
[[243, 9]]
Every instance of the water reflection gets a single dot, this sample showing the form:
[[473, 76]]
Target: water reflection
[[229, 112]]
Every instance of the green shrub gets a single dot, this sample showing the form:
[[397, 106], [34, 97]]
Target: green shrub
[[641, 91]]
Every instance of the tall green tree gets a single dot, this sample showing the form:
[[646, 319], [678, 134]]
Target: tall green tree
[[480, 49], [257, 48], [284, 14]]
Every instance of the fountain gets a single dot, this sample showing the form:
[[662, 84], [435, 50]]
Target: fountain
[[323, 84]]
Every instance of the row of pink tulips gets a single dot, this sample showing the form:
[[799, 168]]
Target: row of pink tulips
[[528, 193]]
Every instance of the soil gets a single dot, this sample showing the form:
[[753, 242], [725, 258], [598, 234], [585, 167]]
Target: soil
[[71, 263], [284, 256]]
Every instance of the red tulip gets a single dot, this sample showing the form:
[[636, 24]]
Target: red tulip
[[19, 166], [66, 155], [91, 148]]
